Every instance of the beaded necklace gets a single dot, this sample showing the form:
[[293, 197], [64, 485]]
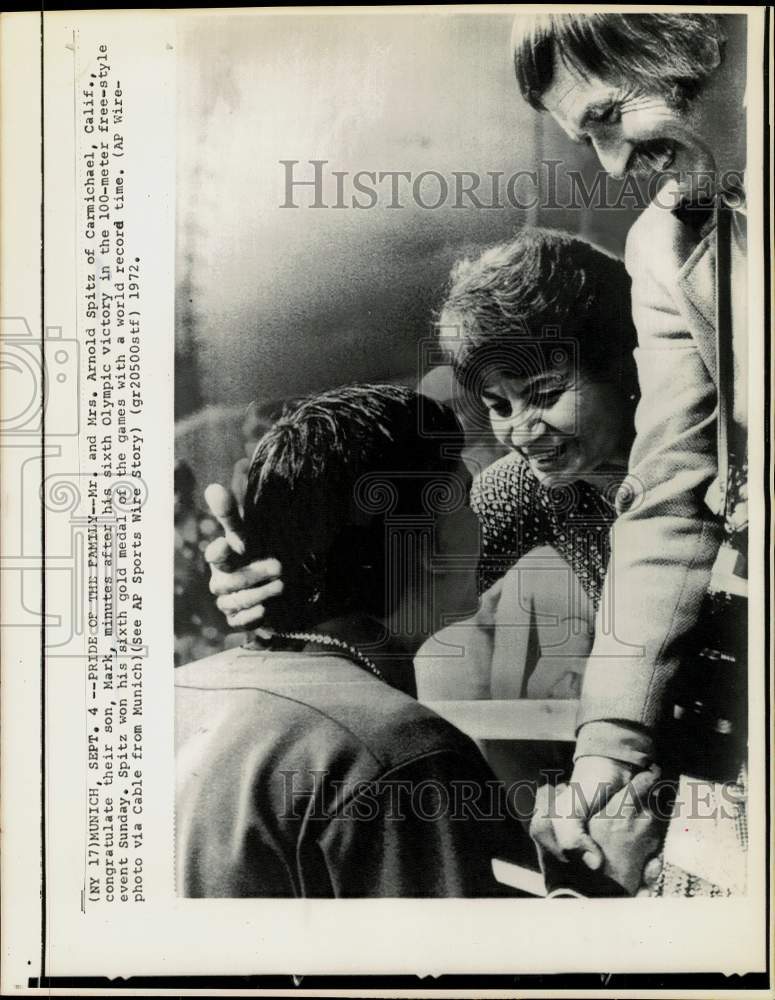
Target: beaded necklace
[[331, 641]]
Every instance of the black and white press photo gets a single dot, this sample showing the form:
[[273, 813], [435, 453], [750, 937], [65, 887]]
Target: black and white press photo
[[386, 551], [461, 349]]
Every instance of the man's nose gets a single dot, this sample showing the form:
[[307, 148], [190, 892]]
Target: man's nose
[[614, 155]]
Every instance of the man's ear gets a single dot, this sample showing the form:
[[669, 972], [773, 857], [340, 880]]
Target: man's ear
[[714, 53]]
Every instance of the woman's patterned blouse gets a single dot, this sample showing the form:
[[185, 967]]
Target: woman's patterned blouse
[[516, 514]]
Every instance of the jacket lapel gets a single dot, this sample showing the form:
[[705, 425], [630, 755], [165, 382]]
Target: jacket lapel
[[697, 288]]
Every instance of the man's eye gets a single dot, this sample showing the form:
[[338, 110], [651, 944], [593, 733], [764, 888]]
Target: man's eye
[[606, 116]]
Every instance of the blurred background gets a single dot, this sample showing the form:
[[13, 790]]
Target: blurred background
[[274, 302]]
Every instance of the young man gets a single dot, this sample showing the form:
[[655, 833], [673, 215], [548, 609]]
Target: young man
[[305, 767]]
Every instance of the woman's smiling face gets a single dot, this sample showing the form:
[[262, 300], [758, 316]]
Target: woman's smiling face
[[565, 427]]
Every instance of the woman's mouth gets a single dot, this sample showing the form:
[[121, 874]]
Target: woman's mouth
[[546, 456]]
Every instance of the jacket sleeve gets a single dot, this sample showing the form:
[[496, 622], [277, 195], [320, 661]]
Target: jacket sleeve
[[665, 540]]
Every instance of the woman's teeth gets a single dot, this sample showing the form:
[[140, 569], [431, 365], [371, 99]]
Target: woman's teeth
[[546, 456]]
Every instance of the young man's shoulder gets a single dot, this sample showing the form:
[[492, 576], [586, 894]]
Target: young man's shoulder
[[326, 701]]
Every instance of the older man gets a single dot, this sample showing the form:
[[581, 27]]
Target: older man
[[658, 97]]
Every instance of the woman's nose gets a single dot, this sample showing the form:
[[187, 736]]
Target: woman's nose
[[614, 154], [527, 427]]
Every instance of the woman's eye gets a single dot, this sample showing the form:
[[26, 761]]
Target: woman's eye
[[548, 394], [499, 407]]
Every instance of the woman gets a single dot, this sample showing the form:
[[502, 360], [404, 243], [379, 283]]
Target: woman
[[539, 333], [540, 337], [653, 93]]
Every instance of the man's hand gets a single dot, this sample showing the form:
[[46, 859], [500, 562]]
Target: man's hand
[[626, 831], [629, 834], [240, 590], [561, 817]]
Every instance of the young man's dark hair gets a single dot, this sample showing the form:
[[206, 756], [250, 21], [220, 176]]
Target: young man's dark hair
[[323, 480], [672, 54], [517, 306]]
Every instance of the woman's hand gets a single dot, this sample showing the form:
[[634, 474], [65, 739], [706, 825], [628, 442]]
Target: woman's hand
[[240, 590], [557, 677]]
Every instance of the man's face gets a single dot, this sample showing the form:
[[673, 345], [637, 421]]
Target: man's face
[[633, 132]]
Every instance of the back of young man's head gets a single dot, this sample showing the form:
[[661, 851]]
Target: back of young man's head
[[325, 480]]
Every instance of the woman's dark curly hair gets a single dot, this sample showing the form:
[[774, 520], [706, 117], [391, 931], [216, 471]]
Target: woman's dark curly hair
[[545, 301]]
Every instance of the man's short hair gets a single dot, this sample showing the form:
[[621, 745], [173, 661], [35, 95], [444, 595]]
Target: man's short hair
[[324, 479], [538, 303], [669, 54]]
